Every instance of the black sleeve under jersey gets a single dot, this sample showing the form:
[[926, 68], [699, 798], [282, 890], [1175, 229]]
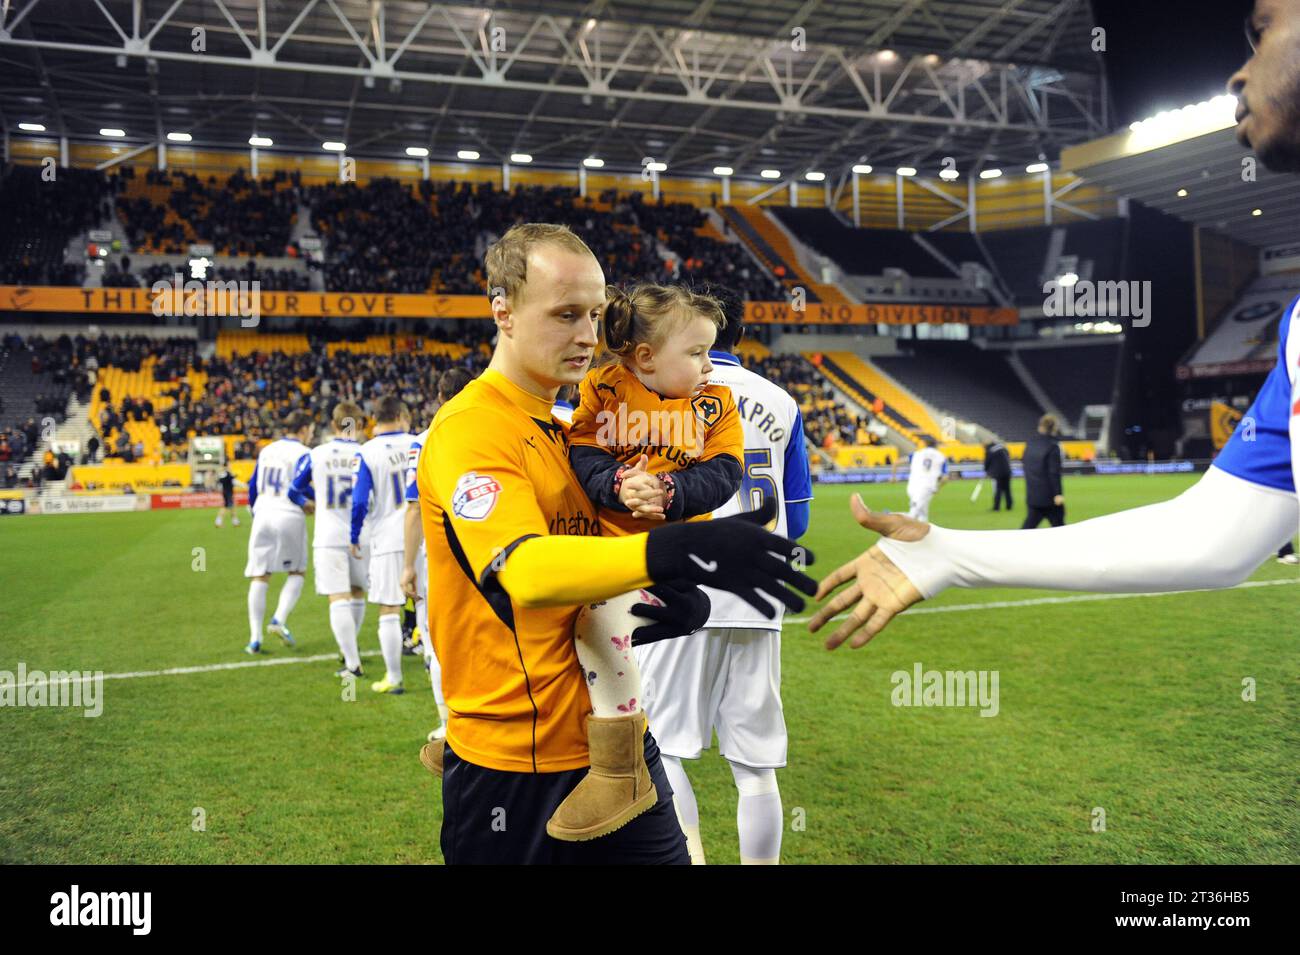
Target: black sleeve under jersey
[[700, 490], [595, 468], [705, 487]]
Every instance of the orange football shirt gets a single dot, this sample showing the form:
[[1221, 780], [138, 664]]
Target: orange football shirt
[[619, 414], [495, 472]]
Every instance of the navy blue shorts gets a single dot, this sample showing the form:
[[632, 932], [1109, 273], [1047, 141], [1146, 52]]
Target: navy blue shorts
[[498, 818]]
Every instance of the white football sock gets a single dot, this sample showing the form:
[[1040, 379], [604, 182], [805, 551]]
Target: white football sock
[[390, 644], [613, 677], [758, 815], [256, 609], [688, 810], [358, 611], [344, 626], [289, 595]]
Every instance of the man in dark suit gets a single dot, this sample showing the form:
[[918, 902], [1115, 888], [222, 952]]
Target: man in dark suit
[[997, 465], [1042, 464]]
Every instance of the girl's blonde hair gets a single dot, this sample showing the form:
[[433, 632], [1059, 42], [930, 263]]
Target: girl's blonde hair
[[648, 312]]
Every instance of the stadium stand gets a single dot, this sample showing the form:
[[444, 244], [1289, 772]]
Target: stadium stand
[[1022, 258], [153, 395], [828, 423], [41, 217], [1248, 330], [383, 236], [1074, 376], [969, 383], [1027, 258], [386, 235], [774, 250], [118, 274], [163, 394], [37, 378], [873, 390], [859, 251], [165, 211], [232, 343]]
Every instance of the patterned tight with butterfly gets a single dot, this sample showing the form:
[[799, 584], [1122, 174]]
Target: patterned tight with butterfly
[[613, 677]]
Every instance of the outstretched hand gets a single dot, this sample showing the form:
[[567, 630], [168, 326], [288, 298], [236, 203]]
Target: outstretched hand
[[879, 590]]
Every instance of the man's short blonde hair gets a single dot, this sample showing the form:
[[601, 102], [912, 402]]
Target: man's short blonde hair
[[506, 262]]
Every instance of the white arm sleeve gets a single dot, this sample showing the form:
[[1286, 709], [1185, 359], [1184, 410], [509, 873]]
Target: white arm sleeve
[[1212, 535]]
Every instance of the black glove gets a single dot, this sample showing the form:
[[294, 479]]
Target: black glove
[[686, 609], [733, 554]]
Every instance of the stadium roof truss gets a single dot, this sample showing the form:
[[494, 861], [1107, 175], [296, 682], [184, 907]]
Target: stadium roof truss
[[791, 85]]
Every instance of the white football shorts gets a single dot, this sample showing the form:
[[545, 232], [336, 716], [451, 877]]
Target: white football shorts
[[920, 504], [724, 679], [386, 580], [337, 571], [277, 544]]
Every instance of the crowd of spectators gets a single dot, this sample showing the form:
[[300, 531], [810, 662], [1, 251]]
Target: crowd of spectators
[[80, 356], [16, 442], [828, 423], [252, 394], [268, 279], [58, 372], [42, 209], [698, 258], [381, 237], [238, 215], [384, 236], [387, 236]]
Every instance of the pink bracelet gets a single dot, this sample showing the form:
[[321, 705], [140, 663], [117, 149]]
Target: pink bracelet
[[670, 489]]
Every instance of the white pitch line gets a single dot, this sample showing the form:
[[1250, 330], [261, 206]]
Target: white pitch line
[[206, 668], [953, 608], [1047, 601]]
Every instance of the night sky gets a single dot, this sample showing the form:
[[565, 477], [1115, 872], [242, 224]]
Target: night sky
[[1163, 54]]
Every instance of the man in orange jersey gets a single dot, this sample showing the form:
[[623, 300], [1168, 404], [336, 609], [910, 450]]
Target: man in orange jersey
[[514, 551]]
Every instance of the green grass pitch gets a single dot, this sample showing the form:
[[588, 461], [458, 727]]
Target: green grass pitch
[[1133, 706]]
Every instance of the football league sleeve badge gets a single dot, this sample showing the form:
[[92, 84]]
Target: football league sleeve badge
[[475, 496]]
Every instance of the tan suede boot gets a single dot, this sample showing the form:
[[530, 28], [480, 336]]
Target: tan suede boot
[[615, 790], [431, 756]]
